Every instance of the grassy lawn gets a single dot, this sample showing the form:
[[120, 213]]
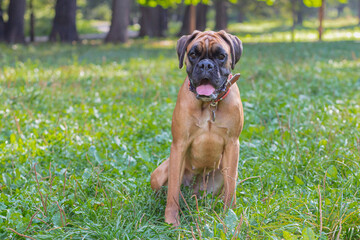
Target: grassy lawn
[[82, 127]]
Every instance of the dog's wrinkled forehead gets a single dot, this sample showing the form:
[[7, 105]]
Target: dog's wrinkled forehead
[[207, 41]]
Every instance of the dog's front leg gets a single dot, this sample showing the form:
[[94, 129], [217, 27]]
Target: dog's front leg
[[176, 171], [229, 171]]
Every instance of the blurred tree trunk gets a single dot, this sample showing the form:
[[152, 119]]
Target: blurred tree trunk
[[297, 8], [2, 24], [185, 27], [14, 28], [359, 11], [153, 21], [220, 14], [241, 10], [321, 18], [64, 23], [32, 21], [293, 14], [194, 18], [340, 9], [119, 21], [163, 20], [300, 13], [189, 20], [201, 11]]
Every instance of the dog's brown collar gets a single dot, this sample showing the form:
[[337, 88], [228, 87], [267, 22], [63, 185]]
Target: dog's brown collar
[[231, 80], [222, 95]]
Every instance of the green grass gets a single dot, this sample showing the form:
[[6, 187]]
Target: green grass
[[94, 121]]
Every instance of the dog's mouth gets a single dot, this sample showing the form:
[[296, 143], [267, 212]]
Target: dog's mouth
[[205, 91], [205, 88]]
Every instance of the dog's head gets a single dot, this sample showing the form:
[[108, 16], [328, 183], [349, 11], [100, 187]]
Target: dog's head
[[210, 56]]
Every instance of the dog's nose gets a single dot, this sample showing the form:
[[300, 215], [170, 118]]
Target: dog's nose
[[206, 65]]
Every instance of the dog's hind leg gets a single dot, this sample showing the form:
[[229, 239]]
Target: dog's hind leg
[[159, 177]]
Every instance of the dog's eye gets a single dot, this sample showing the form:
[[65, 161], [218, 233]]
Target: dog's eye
[[221, 57], [192, 55]]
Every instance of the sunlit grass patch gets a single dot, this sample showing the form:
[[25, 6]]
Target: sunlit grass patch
[[256, 27], [280, 31]]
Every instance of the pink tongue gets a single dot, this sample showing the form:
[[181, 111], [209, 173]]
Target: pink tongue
[[206, 89]]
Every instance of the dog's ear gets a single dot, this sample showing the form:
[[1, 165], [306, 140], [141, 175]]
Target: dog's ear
[[182, 44], [235, 44]]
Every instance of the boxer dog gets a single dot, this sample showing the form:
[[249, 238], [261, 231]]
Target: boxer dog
[[206, 123]]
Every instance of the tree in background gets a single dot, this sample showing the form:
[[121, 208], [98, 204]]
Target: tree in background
[[320, 4], [245, 9], [290, 8], [359, 11], [295, 5], [153, 15], [13, 30], [153, 21], [119, 21], [221, 14], [241, 10], [194, 18], [321, 18], [32, 21], [354, 5], [188, 20], [64, 23], [299, 11], [221, 18], [296, 14], [201, 12], [2, 24]]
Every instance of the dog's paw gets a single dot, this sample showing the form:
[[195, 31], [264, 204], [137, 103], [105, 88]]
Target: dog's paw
[[172, 217]]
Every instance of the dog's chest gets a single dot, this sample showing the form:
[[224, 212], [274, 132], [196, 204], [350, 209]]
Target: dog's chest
[[212, 121], [206, 150], [207, 142]]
